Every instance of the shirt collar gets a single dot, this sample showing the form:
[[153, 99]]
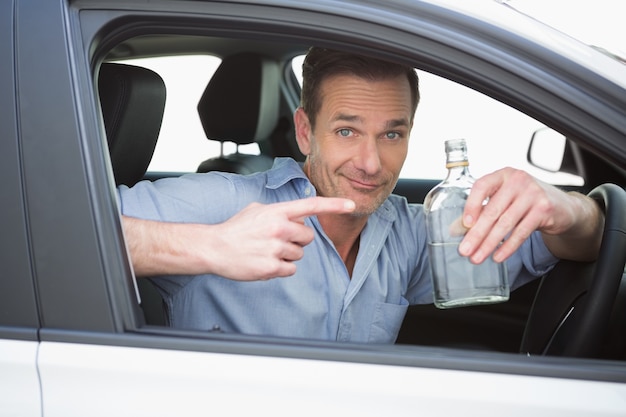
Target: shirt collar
[[283, 171]]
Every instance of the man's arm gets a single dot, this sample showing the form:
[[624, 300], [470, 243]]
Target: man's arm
[[260, 242], [581, 241], [571, 223]]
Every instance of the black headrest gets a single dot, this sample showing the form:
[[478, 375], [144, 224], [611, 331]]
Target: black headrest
[[132, 100], [241, 102]]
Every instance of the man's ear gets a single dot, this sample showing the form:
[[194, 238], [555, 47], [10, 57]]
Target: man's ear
[[303, 131]]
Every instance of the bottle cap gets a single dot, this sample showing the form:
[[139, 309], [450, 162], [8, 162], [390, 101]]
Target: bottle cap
[[456, 153]]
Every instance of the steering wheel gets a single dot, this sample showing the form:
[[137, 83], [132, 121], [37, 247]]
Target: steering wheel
[[575, 302]]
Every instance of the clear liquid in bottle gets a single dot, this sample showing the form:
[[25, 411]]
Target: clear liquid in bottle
[[456, 281]]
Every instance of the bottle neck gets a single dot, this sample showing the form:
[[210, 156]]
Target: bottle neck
[[457, 162], [457, 169]]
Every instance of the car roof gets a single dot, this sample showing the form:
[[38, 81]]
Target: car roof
[[501, 14], [488, 18]]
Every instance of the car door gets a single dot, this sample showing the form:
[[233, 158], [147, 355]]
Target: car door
[[97, 356], [19, 321]]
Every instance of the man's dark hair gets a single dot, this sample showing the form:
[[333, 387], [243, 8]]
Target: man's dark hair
[[321, 63]]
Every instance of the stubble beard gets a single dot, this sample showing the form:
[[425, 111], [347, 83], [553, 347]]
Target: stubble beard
[[325, 187]]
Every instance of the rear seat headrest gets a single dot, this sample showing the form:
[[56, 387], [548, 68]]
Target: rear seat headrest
[[241, 102]]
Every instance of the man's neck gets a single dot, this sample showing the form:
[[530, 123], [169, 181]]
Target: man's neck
[[344, 231]]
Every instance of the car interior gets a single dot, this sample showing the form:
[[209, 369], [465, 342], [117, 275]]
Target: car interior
[[250, 99]]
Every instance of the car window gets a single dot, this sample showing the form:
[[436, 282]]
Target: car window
[[448, 110]]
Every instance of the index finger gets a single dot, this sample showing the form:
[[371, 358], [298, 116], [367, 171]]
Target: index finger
[[299, 209]]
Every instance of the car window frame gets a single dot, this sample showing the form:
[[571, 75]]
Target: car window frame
[[19, 319]]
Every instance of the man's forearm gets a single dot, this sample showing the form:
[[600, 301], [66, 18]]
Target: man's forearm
[[159, 248], [260, 242]]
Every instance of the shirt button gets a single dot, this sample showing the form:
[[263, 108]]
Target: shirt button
[[307, 191]]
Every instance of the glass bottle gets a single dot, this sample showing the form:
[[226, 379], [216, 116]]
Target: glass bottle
[[456, 281]]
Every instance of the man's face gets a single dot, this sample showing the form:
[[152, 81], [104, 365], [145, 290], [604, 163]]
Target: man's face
[[360, 139]]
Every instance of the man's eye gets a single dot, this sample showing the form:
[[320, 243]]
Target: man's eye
[[344, 132], [392, 135]]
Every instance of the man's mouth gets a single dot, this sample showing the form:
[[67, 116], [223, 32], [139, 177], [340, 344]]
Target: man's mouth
[[364, 185]]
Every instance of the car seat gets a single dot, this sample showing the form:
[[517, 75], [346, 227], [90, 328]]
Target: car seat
[[241, 105], [133, 101]]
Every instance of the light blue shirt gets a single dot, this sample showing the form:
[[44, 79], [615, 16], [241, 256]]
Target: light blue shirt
[[320, 301]]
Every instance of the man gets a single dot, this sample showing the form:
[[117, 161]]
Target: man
[[355, 256]]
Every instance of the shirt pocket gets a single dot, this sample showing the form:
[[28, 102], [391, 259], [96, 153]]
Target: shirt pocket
[[387, 321]]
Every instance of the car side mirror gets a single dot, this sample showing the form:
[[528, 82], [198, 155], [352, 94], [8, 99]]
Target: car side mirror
[[553, 152]]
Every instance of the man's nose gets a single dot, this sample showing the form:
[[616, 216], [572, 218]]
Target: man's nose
[[368, 158]]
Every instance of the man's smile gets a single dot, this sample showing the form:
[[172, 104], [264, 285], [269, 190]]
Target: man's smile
[[364, 184]]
